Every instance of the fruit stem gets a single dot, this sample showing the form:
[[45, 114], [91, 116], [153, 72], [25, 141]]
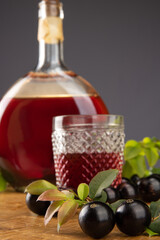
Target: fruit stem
[[88, 199], [153, 219]]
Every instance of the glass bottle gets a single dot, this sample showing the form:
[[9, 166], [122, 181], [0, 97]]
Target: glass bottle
[[27, 109]]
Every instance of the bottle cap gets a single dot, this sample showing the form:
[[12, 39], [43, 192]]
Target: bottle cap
[[51, 8], [51, 1]]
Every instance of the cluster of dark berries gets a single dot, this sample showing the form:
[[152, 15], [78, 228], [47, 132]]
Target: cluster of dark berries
[[97, 219], [131, 217], [146, 189]]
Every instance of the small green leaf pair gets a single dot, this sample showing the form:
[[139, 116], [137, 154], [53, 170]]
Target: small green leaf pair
[[136, 154], [95, 189]]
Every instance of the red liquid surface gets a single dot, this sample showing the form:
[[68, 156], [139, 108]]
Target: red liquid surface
[[25, 134], [73, 169]]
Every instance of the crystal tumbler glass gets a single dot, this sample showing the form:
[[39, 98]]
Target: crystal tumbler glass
[[84, 145]]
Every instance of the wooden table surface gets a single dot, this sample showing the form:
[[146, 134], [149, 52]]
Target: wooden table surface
[[18, 223]]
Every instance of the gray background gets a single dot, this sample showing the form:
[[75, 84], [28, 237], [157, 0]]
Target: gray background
[[114, 44]]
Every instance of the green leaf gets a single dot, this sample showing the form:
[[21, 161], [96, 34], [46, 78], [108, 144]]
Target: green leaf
[[116, 204], [39, 186], [151, 233], [156, 142], [83, 191], [136, 154], [132, 149], [80, 202], [147, 142], [133, 166], [155, 209], [52, 209], [69, 195], [100, 181], [157, 145], [138, 165], [156, 170], [155, 214], [127, 170], [102, 198], [52, 195], [154, 139], [3, 183], [66, 212], [152, 156], [147, 173]]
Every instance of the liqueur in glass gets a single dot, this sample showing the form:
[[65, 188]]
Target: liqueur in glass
[[86, 145]]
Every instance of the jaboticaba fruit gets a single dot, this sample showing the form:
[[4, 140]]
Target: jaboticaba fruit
[[134, 179], [38, 207], [96, 219], [149, 188], [125, 180], [128, 190], [112, 194], [132, 217]]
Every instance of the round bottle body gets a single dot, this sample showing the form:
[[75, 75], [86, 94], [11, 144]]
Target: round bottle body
[[26, 113]]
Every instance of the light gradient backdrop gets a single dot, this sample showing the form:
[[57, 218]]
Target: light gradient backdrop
[[114, 44]]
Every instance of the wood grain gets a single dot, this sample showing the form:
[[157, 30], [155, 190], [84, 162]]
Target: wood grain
[[18, 223]]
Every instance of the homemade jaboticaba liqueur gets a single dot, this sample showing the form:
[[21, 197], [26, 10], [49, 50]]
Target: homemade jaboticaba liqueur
[[27, 109]]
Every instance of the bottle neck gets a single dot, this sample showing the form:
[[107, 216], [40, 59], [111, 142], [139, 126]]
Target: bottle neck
[[50, 56], [50, 35]]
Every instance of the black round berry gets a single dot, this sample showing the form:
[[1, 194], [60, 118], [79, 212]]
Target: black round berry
[[38, 207], [96, 219], [135, 178], [149, 189], [155, 175], [125, 180], [132, 217], [112, 194], [128, 190]]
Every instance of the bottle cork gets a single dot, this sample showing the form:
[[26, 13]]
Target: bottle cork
[[50, 22]]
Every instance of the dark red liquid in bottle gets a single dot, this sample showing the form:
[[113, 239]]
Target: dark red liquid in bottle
[[73, 169], [25, 134]]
